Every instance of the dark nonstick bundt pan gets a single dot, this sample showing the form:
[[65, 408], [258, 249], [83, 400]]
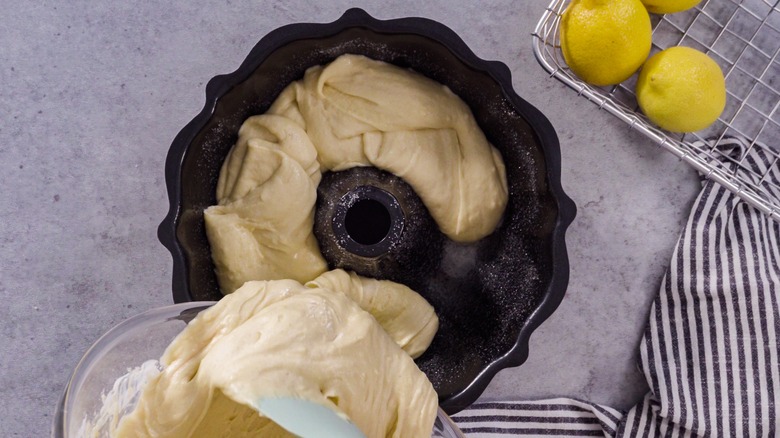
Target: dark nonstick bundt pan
[[489, 295]]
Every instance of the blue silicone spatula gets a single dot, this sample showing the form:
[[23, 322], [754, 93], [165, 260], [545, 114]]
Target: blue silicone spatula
[[307, 419]]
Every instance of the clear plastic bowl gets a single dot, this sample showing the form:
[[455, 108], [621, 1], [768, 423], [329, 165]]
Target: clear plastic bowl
[[127, 346]]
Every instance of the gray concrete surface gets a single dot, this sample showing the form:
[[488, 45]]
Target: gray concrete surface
[[91, 95]]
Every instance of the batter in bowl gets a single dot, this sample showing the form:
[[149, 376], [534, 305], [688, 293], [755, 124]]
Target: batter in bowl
[[281, 338]]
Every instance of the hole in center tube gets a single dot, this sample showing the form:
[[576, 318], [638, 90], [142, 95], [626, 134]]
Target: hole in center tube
[[367, 222]]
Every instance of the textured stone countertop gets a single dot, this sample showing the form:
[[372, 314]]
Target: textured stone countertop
[[92, 95]]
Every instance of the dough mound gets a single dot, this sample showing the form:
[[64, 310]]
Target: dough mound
[[353, 112], [262, 227], [404, 314]]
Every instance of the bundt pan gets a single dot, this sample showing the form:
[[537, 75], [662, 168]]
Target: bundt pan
[[489, 295]]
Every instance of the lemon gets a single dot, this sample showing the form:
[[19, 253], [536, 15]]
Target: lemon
[[605, 41], [669, 6], [681, 89]]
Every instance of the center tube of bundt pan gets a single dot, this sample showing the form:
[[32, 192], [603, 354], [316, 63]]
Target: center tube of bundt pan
[[367, 221]]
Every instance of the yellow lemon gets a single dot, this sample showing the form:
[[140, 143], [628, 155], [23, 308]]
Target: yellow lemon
[[681, 90], [669, 6], [605, 41]]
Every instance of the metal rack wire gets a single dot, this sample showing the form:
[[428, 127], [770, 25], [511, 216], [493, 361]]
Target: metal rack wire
[[743, 37]]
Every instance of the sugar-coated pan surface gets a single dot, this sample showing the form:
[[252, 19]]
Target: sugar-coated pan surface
[[490, 295]]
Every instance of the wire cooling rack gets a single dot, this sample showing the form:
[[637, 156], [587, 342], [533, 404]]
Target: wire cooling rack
[[743, 37]]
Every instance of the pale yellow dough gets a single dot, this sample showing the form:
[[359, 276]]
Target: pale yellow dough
[[352, 112], [262, 227], [283, 339], [362, 112], [405, 315]]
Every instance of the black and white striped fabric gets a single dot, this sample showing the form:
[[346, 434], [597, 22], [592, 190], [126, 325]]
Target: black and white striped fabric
[[711, 346]]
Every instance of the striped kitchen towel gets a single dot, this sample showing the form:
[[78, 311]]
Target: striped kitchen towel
[[711, 345]]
